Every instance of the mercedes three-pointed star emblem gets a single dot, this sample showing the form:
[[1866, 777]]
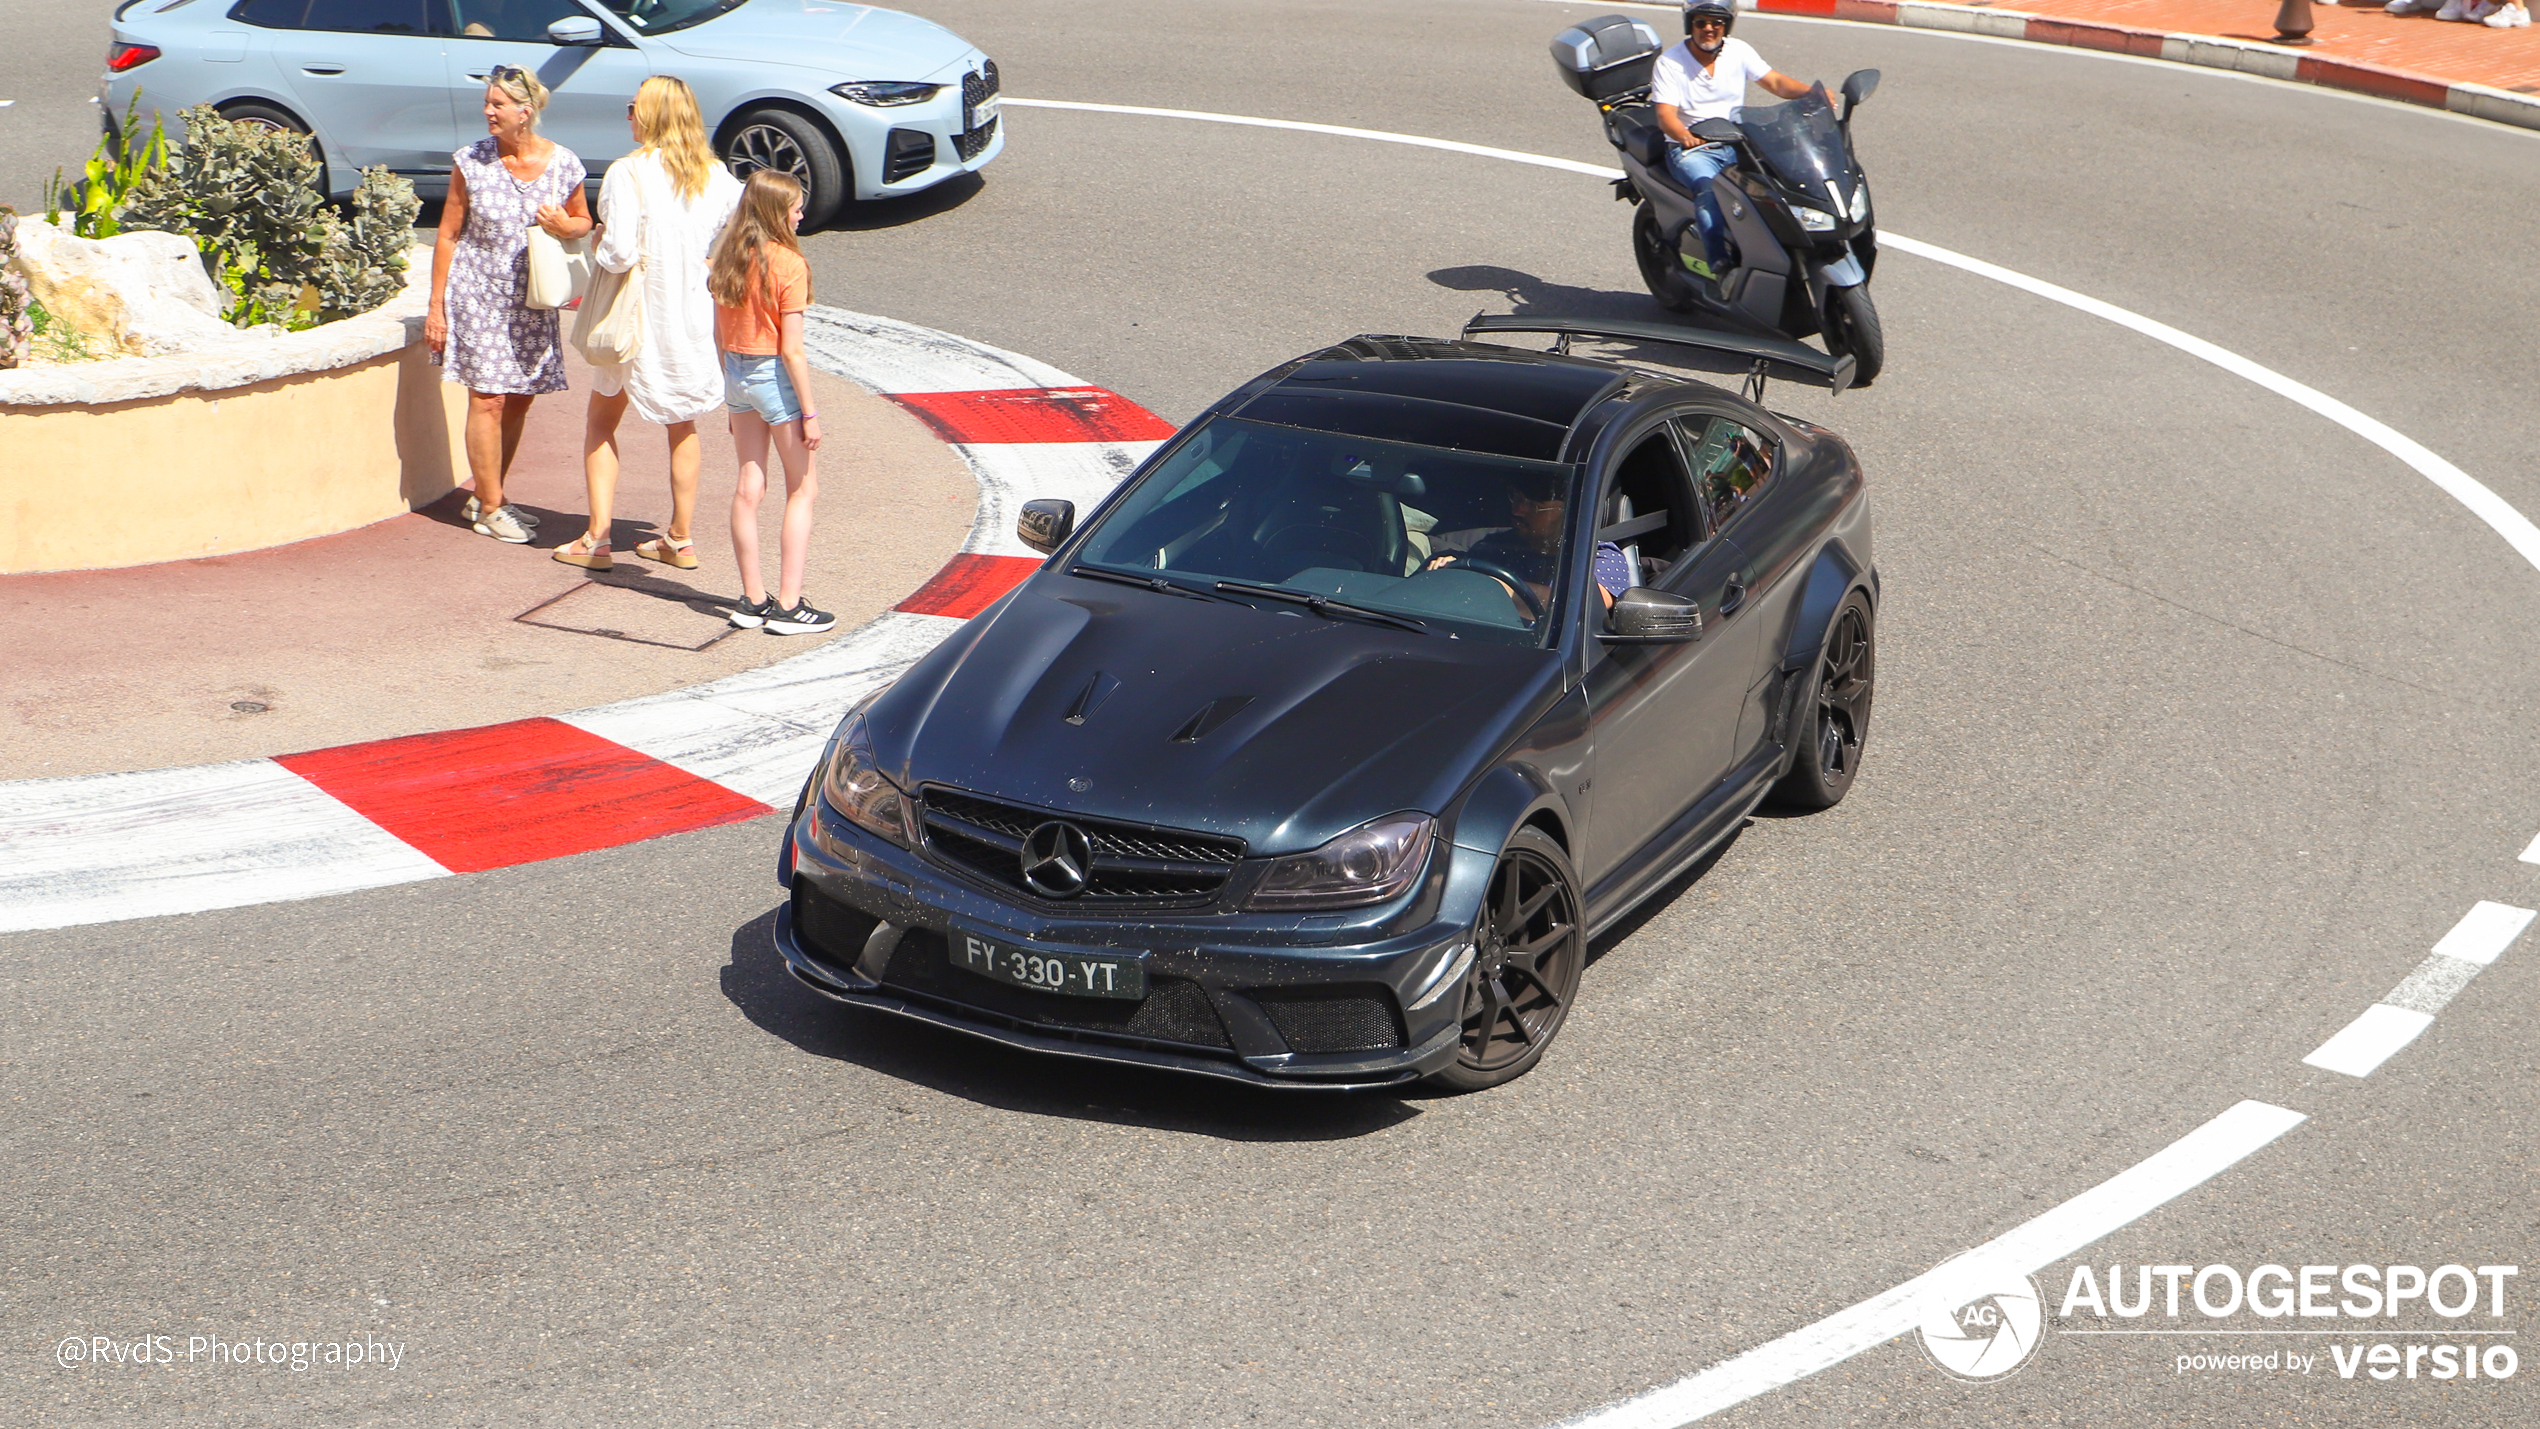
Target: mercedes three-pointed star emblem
[[1057, 860]]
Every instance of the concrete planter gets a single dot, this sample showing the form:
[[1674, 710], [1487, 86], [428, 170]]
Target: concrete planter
[[255, 443]]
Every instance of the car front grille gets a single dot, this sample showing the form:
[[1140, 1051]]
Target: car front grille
[[1326, 1022], [976, 87], [1132, 866], [1175, 1010]]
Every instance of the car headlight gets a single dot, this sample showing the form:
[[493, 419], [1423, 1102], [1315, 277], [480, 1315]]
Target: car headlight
[[1861, 201], [854, 786], [1369, 864], [1813, 220], [884, 94]]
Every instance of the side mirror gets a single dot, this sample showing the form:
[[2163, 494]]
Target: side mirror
[[1044, 524], [1642, 616], [1857, 86], [1718, 131], [574, 30]]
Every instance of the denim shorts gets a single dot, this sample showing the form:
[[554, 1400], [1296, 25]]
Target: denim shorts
[[752, 383]]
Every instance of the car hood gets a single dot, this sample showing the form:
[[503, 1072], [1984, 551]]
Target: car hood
[[1280, 729], [850, 41]]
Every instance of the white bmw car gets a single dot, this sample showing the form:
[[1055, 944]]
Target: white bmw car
[[852, 100]]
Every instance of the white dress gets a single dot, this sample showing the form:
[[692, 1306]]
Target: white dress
[[676, 376]]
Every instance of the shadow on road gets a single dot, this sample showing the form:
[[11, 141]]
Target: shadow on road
[[1657, 903], [756, 982], [1531, 297], [866, 216]]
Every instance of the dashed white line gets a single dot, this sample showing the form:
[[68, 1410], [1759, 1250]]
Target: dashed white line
[[2167, 1174], [2485, 932], [2361, 1046], [2482, 935], [2531, 853]]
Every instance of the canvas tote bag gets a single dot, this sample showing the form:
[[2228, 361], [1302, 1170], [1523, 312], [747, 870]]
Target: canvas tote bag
[[610, 327], [559, 269]]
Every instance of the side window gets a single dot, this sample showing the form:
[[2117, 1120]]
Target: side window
[[367, 17], [1647, 509], [1732, 464], [513, 19], [271, 14]]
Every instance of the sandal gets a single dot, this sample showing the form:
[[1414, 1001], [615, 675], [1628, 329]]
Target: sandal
[[590, 555], [670, 552]]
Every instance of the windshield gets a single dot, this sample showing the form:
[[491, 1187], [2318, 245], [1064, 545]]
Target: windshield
[[656, 17], [1468, 545], [1802, 143]]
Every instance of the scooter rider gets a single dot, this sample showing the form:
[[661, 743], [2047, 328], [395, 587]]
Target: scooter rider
[[1705, 77]]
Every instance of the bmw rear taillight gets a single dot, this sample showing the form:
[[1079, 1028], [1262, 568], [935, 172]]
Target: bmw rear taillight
[[121, 57]]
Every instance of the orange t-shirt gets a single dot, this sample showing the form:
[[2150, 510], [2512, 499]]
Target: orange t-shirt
[[783, 286]]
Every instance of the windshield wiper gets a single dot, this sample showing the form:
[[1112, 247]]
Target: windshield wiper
[[1324, 605], [1158, 584]]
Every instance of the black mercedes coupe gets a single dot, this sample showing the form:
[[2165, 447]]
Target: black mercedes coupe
[[1315, 755]]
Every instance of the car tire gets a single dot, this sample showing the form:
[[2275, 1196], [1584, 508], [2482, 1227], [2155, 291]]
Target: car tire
[[1852, 326], [790, 144], [1833, 713], [1660, 268], [1529, 947], [266, 116]]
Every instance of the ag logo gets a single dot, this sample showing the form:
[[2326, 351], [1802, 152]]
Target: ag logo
[[1984, 1324]]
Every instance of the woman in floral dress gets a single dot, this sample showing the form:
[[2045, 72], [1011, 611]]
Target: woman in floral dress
[[505, 351]]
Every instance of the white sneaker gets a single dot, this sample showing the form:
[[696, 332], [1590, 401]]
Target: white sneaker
[[2453, 10], [503, 525], [472, 511], [2508, 17]]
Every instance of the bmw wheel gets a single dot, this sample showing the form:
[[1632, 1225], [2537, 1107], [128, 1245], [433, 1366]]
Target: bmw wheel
[[1660, 266], [1834, 712], [789, 144], [1528, 951], [1852, 326]]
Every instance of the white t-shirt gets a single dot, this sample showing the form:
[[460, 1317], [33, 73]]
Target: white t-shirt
[[1717, 93]]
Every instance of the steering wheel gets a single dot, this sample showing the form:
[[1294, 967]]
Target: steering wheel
[[1468, 561]]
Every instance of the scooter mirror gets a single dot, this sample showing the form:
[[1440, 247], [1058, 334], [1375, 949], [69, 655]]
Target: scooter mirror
[[1857, 86]]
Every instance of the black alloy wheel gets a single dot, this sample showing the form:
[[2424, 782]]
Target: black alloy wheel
[[1852, 326], [1528, 950], [1660, 266], [787, 143], [1834, 712]]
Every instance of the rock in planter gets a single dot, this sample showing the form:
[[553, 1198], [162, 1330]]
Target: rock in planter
[[132, 295]]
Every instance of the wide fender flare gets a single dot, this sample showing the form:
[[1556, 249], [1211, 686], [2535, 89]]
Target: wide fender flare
[[1501, 802], [1835, 575]]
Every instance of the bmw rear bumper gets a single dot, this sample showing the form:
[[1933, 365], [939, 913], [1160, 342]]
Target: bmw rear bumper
[[1240, 997]]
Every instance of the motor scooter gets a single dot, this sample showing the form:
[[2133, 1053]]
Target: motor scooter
[[1801, 236]]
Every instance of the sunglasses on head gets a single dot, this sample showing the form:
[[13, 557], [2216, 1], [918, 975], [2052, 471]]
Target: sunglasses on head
[[507, 72]]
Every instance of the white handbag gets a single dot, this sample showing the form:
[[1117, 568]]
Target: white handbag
[[610, 326], [559, 269]]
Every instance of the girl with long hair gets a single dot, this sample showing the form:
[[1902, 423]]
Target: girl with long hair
[[661, 209], [504, 351], [761, 285]]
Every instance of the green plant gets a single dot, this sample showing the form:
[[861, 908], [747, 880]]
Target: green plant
[[17, 323], [61, 342], [112, 173], [249, 198]]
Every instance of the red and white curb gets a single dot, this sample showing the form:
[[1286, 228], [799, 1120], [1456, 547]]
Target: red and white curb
[[104, 847], [2211, 51]]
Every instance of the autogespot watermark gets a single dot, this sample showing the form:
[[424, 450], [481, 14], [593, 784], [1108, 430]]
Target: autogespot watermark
[[2367, 1324], [367, 1352]]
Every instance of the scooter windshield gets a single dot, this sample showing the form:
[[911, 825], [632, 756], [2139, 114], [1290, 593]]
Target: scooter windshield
[[1802, 143]]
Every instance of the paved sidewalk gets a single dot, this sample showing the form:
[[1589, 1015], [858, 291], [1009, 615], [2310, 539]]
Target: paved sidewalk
[[417, 623], [2414, 58]]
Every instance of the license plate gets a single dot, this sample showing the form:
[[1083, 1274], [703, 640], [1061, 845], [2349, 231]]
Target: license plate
[[986, 112], [1122, 975]]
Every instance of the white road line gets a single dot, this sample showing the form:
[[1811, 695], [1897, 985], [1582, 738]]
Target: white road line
[[2370, 1040], [2486, 505], [2171, 1172], [2531, 854], [2485, 932]]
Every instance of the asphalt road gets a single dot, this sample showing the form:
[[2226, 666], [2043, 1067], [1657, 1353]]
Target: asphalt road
[[2201, 719], [54, 52]]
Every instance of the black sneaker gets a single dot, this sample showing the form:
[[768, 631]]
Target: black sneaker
[[801, 620], [751, 614]]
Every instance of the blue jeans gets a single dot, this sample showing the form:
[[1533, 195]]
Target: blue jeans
[[1695, 169], [752, 383]]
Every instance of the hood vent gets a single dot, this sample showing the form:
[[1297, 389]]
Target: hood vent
[[1210, 717], [1090, 698]]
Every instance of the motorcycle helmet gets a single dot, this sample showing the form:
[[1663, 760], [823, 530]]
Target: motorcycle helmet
[[1721, 10]]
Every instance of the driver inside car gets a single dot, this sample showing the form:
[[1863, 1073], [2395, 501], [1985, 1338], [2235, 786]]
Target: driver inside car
[[1530, 547], [1705, 77]]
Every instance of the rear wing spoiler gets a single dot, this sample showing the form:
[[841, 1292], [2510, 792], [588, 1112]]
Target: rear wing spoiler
[[1754, 358]]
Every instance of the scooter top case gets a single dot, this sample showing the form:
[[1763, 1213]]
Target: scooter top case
[[1606, 58]]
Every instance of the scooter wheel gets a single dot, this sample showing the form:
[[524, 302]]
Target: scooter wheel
[[1852, 326], [1660, 267]]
